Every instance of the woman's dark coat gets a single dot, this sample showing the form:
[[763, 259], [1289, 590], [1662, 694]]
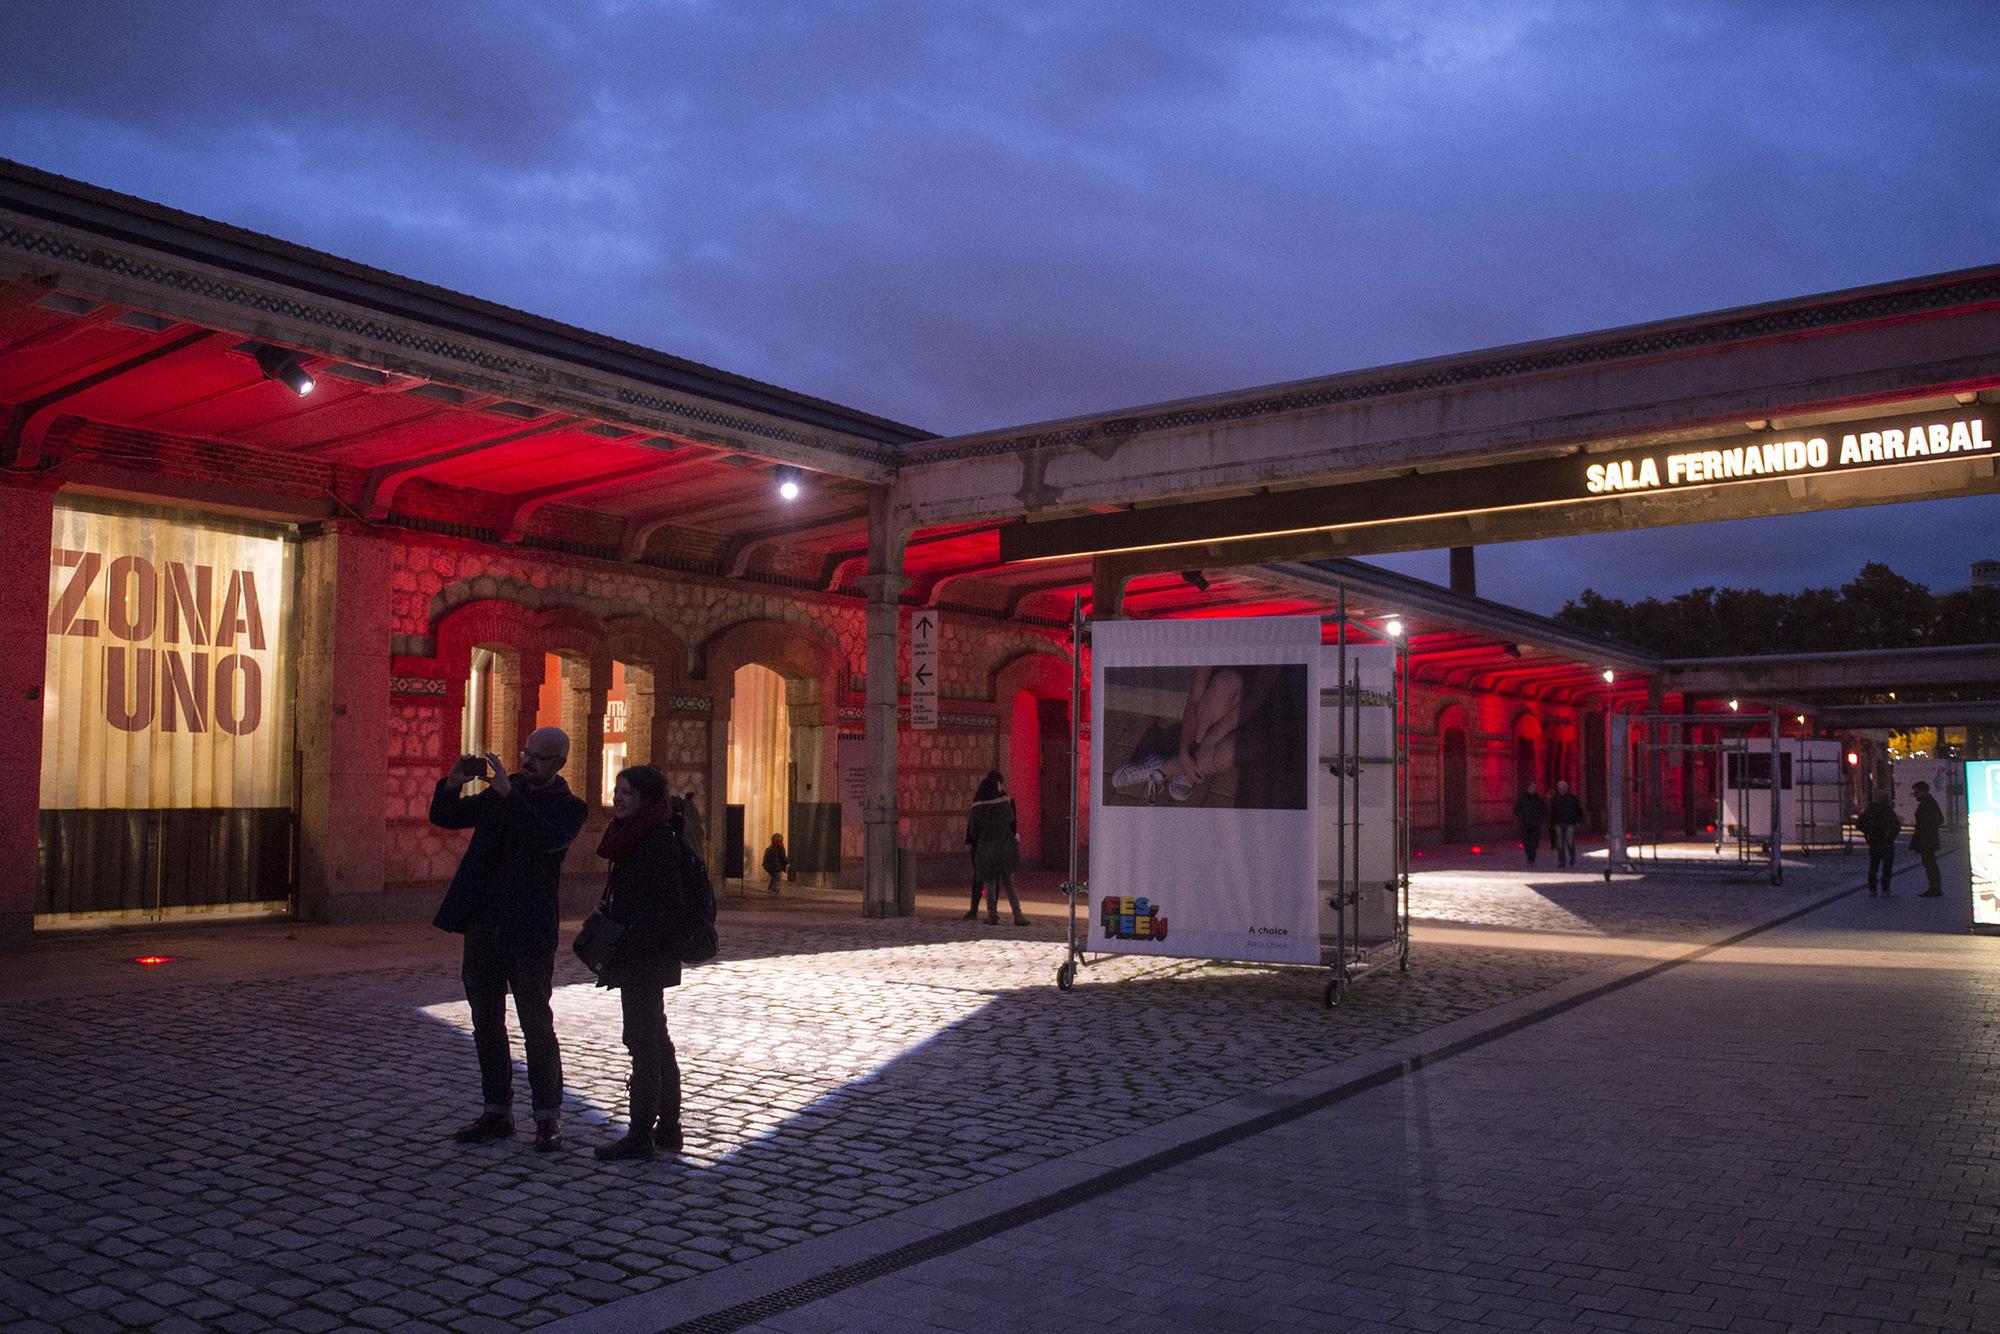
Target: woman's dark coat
[[990, 833], [644, 895]]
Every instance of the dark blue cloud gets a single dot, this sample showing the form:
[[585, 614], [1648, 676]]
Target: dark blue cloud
[[969, 216]]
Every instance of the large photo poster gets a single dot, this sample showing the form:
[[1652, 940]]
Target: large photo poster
[[1203, 842]]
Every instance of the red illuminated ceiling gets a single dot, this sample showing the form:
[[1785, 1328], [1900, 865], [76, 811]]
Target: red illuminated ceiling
[[393, 438]]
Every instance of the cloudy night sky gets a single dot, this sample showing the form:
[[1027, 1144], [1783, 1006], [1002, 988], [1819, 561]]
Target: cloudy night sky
[[966, 216]]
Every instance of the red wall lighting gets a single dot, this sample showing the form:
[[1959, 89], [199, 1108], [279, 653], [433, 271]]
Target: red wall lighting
[[153, 960]]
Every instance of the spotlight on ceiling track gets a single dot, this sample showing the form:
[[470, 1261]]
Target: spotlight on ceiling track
[[1393, 627], [1609, 676], [790, 481], [1511, 650], [282, 366], [1196, 580]]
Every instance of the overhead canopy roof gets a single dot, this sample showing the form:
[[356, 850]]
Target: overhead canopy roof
[[130, 337]]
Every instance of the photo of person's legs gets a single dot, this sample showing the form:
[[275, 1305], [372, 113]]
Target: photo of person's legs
[[1206, 744]]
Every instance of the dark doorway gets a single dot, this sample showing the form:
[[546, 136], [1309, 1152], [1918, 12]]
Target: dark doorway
[[1058, 779], [1452, 776]]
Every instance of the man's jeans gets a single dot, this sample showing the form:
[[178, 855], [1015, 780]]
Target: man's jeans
[[489, 973], [1563, 838], [1882, 858]]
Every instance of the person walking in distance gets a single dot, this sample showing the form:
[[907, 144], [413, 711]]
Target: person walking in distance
[[1879, 826], [775, 860], [646, 895], [504, 900], [1530, 813], [1565, 814], [991, 833], [1924, 840]]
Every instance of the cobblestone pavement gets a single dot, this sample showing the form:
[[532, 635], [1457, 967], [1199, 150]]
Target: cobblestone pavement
[[1497, 889], [1794, 1133], [268, 1152]]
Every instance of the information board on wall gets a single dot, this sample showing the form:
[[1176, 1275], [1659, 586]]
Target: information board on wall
[[1202, 809], [924, 670], [168, 671]]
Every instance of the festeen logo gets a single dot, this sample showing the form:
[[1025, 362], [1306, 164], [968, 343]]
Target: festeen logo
[[1131, 919], [178, 686]]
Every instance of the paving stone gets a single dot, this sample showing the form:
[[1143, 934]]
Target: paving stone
[[836, 1070]]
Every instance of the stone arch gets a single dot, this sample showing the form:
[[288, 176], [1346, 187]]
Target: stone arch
[[656, 662], [813, 668], [1032, 692]]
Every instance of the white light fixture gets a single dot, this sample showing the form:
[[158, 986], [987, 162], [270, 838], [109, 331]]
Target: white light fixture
[[1732, 706], [1852, 758], [282, 366], [789, 481], [1609, 676], [1393, 627]]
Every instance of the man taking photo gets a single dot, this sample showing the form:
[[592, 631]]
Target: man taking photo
[[504, 901]]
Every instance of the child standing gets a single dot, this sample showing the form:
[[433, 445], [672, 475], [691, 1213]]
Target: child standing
[[775, 860]]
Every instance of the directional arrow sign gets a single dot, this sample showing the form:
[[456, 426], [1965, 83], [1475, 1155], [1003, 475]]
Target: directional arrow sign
[[924, 670]]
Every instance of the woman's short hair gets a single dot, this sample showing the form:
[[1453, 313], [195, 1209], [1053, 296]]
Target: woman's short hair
[[648, 783], [989, 786]]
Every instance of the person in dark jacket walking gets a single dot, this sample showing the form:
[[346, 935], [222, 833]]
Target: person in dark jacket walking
[[1879, 826], [991, 832], [1531, 813], [645, 895], [1924, 841], [775, 860], [1565, 814], [504, 900]]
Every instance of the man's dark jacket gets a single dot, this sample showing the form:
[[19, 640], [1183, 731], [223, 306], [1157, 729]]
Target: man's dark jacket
[[1530, 811], [512, 869], [1566, 808], [1929, 820], [1880, 824]]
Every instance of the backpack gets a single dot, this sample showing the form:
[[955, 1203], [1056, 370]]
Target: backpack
[[694, 939]]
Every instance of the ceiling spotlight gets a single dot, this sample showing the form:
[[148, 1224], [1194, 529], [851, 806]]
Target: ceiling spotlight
[[1511, 650], [1393, 627], [789, 481], [1852, 758], [1802, 720], [1195, 580], [1732, 706], [1609, 676], [282, 366]]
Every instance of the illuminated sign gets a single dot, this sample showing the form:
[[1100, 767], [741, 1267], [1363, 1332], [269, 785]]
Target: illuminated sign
[[166, 680], [1701, 465], [1582, 477]]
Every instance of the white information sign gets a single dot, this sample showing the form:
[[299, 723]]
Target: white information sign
[[1204, 836], [923, 670]]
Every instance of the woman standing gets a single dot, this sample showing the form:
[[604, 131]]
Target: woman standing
[[645, 896], [996, 850]]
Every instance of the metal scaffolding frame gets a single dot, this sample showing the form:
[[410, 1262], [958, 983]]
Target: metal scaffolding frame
[[1348, 952], [1662, 734]]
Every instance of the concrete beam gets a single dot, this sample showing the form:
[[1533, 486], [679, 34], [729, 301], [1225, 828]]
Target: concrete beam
[[1655, 383], [1862, 669]]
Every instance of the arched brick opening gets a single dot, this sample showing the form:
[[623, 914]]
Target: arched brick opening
[[813, 669], [1032, 691]]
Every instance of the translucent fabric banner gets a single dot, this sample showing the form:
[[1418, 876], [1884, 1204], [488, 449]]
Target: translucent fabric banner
[[168, 665]]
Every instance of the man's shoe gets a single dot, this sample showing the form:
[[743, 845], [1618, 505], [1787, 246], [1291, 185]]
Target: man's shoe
[[1931, 894], [490, 1128], [1020, 919], [972, 916], [548, 1136], [667, 1136], [635, 1144], [993, 920]]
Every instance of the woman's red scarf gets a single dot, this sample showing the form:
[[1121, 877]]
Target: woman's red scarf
[[622, 839]]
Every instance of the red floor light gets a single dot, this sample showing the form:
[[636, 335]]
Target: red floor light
[[150, 960], [1475, 849]]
